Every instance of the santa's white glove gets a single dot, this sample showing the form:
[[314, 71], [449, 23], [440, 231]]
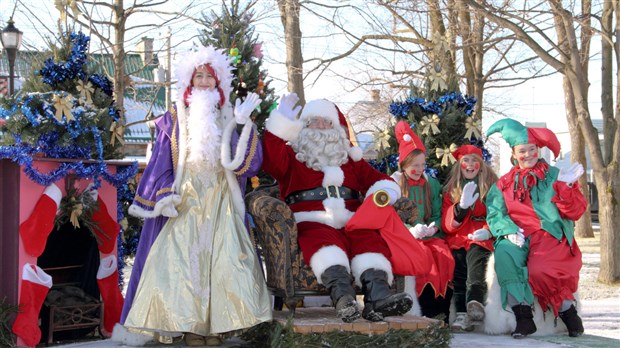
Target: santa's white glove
[[418, 231], [397, 175], [571, 174], [517, 239], [481, 234], [287, 106], [244, 110], [469, 195], [431, 229], [169, 211]]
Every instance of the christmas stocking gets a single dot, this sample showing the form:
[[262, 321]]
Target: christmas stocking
[[105, 228], [107, 278], [35, 230], [35, 285]]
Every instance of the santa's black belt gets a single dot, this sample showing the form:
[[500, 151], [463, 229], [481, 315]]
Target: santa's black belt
[[320, 193]]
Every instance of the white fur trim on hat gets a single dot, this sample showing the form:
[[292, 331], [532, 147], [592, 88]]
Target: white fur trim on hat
[[219, 61], [365, 261], [320, 108], [326, 257]]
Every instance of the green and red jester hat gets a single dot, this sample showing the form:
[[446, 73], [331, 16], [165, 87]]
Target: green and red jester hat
[[517, 134]]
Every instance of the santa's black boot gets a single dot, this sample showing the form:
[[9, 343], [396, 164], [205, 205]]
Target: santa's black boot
[[572, 321], [525, 321], [379, 301], [337, 280]]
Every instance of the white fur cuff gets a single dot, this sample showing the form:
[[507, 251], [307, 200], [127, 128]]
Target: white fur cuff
[[390, 186], [326, 257], [365, 261], [283, 127]]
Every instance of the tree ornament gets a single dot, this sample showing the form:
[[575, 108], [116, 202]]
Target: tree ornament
[[117, 131], [63, 107], [445, 154], [430, 123], [382, 139], [473, 128], [86, 90]]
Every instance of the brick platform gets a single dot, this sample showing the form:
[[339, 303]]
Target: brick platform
[[323, 319]]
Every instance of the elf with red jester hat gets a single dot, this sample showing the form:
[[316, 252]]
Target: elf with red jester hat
[[467, 234], [433, 289], [531, 212]]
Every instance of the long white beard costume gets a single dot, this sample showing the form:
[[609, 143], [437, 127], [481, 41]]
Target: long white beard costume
[[318, 148], [204, 130]]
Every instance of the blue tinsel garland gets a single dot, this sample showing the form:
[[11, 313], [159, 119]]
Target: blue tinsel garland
[[402, 109]]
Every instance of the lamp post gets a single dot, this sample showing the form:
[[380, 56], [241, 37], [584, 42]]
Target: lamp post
[[11, 41]]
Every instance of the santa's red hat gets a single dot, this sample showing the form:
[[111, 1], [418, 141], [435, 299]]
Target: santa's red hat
[[407, 140], [466, 150], [328, 110]]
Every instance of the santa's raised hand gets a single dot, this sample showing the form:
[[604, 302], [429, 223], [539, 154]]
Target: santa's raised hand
[[287, 106]]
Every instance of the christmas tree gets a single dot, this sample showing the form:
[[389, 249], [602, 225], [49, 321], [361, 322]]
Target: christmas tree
[[233, 31], [442, 117]]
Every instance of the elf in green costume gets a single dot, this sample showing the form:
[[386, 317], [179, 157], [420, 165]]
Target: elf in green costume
[[531, 211]]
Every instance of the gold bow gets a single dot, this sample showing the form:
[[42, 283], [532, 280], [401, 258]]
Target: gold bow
[[85, 89], [473, 128], [430, 123], [437, 80], [382, 139], [117, 131], [124, 224], [75, 213], [63, 106], [446, 154]]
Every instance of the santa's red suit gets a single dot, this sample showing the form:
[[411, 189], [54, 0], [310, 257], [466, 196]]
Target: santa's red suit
[[321, 222]]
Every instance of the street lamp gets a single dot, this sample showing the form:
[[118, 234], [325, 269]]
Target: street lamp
[[11, 41]]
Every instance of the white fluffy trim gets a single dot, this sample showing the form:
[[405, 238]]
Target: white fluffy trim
[[137, 211], [35, 274], [326, 257], [333, 176], [235, 192], [365, 261], [234, 163], [392, 189], [53, 192], [107, 266], [121, 335], [335, 214], [356, 153], [415, 310], [283, 127], [320, 108]]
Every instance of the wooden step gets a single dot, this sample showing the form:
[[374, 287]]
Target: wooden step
[[323, 319]]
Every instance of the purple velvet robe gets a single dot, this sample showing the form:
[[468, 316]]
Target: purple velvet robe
[[157, 181]]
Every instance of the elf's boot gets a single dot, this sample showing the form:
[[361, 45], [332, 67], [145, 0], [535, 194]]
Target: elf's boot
[[35, 286], [525, 321], [572, 321], [379, 301], [337, 280]]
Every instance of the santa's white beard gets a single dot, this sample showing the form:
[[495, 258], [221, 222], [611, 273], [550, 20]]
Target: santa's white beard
[[318, 148], [203, 129]]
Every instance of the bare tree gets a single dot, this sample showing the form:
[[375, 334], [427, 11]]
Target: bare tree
[[289, 14], [606, 168]]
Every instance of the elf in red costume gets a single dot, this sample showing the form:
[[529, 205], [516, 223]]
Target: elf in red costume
[[467, 234], [321, 176], [432, 288], [531, 212]]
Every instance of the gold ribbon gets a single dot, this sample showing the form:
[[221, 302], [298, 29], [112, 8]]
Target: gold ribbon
[[437, 81], [430, 123], [473, 128], [446, 154], [124, 224], [85, 90], [63, 106], [117, 131], [382, 139], [75, 213]]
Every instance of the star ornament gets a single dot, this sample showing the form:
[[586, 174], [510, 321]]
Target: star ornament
[[63, 106]]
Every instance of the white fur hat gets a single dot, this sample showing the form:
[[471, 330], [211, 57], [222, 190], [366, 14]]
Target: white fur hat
[[218, 60]]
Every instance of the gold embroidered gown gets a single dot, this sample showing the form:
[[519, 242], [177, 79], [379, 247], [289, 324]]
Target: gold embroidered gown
[[202, 274]]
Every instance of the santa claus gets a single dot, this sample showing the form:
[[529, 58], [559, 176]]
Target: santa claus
[[321, 177]]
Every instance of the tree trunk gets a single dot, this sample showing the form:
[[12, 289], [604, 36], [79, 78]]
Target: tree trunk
[[289, 14], [609, 217], [118, 51]]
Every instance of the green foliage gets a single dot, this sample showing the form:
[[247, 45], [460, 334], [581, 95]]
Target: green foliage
[[7, 314], [233, 31], [276, 335]]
